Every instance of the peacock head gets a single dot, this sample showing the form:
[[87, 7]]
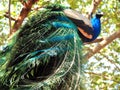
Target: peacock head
[[99, 14]]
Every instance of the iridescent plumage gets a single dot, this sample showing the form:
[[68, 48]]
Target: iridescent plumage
[[46, 48], [47, 51]]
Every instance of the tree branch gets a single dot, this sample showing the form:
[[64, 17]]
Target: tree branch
[[9, 10], [102, 44], [94, 6], [95, 41], [23, 14], [7, 16]]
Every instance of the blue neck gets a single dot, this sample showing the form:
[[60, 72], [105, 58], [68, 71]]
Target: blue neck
[[96, 26]]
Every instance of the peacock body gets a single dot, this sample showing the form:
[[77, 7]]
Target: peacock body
[[47, 42], [47, 51]]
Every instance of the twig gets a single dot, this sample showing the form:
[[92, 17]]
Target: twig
[[8, 16], [9, 10], [95, 41]]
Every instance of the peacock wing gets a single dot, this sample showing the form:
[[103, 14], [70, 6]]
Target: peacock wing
[[84, 25]]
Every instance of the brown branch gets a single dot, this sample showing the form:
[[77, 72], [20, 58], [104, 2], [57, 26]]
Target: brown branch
[[102, 44], [23, 14], [95, 41], [94, 6], [7, 16]]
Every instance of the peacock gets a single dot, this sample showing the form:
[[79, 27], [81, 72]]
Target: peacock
[[46, 53]]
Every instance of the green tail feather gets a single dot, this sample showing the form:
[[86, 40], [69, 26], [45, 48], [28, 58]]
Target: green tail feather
[[33, 61]]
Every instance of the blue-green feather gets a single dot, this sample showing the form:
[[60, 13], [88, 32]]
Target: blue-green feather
[[48, 41]]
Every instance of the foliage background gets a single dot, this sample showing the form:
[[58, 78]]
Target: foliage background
[[102, 69]]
